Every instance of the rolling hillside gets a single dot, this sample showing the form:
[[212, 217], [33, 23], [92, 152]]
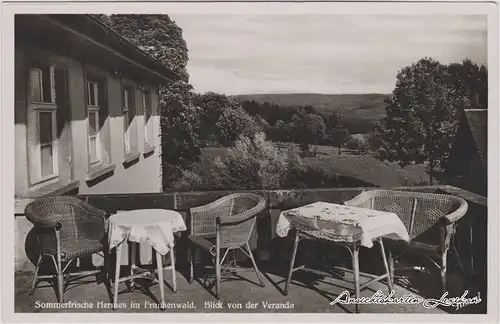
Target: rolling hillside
[[352, 106]]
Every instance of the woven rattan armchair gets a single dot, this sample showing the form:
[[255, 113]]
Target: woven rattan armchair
[[430, 219], [67, 228], [222, 226]]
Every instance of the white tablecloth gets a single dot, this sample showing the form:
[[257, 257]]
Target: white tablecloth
[[155, 227], [372, 222]]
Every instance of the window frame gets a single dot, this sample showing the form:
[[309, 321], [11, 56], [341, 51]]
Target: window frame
[[128, 108], [34, 108], [147, 103], [93, 109]]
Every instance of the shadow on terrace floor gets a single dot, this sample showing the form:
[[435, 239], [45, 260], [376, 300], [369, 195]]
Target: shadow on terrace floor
[[308, 292]]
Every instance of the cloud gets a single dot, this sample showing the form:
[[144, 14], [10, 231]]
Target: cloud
[[321, 53]]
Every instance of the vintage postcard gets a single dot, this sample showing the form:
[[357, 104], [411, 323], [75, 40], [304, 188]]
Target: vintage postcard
[[301, 161]]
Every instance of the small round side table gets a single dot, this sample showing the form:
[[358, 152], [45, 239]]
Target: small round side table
[[155, 227]]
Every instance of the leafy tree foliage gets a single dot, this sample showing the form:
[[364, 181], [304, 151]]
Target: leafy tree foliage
[[339, 136], [212, 106], [253, 163], [282, 131], [471, 81], [422, 116], [235, 122], [157, 35], [331, 121], [308, 128], [180, 128], [223, 119]]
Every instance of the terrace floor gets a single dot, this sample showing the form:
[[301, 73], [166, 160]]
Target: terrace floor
[[308, 294]]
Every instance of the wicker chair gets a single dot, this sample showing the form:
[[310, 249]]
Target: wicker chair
[[225, 224], [430, 219], [67, 228]]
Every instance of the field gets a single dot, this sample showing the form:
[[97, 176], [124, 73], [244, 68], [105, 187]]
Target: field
[[350, 106], [365, 167]]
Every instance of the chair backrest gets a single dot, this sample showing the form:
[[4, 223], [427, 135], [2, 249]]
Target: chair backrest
[[237, 234], [71, 212], [203, 218], [417, 210]]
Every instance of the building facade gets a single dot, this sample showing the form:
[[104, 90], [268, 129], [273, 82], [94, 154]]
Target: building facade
[[86, 112]]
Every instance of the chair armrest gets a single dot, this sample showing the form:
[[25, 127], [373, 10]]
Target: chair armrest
[[208, 207], [93, 211], [44, 222], [457, 214], [229, 220], [246, 215], [359, 199]]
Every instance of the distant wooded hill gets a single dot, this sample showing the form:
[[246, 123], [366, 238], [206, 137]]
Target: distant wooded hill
[[351, 106]]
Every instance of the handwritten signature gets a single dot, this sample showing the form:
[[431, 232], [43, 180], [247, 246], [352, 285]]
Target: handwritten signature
[[380, 298], [457, 302]]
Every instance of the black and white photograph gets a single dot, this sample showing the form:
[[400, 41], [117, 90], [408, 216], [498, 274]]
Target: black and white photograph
[[307, 158]]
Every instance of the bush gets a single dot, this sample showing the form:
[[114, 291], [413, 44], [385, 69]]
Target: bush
[[253, 163], [256, 164], [190, 180], [357, 143]]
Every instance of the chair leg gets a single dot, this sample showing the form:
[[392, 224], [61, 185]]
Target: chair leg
[[444, 268], [255, 265], [35, 279], [355, 267], [107, 272], [119, 249], [133, 255], [292, 263], [160, 279], [386, 266], [190, 254], [217, 273], [174, 274], [60, 279], [390, 261]]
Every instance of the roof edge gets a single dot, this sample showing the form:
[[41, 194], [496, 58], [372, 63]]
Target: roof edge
[[97, 22]]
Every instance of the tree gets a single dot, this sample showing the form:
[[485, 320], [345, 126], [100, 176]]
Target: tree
[[283, 131], [422, 116], [309, 129], [232, 123], [261, 123], [471, 81], [212, 105], [339, 136], [180, 128], [331, 121]]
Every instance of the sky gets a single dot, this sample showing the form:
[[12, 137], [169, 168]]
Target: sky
[[249, 54]]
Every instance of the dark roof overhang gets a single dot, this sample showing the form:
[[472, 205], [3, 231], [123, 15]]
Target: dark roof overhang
[[85, 38]]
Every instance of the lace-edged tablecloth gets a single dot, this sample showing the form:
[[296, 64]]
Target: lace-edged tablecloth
[[155, 227], [372, 222]]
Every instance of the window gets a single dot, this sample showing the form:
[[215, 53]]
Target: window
[[48, 116], [93, 122], [98, 125], [129, 136], [42, 119], [148, 123]]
